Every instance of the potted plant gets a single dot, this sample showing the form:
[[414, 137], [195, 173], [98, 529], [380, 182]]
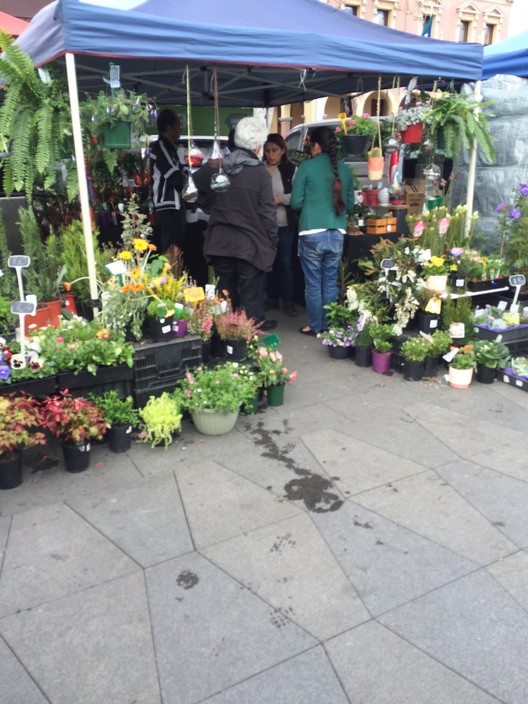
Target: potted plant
[[273, 374], [435, 271], [201, 325], [340, 334], [440, 341], [354, 134], [382, 334], [410, 121], [214, 396], [121, 418], [490, 355], [161, 417], [414, 350], [160, 315], [75, 422], [180, 321], [235, 329], [461, 367], [457, 120], [19, 416], [363, 353], [429, 310]]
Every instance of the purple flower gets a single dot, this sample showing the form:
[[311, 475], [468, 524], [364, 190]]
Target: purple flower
[[502, 206], [5, 372], [514, 214], [523, 189]]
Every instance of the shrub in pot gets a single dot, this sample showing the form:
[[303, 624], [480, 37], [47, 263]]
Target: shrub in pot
[[440, 341], [235, 329], [382, 334], [461, 367], [19, 415], [414, 350], [490, 355], [161, 418], [121, 418]]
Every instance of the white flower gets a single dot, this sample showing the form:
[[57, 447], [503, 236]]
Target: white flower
[[18, 361]]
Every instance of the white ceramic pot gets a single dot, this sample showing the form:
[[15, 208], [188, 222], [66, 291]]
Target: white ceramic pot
[[437, 283], [460, 378]]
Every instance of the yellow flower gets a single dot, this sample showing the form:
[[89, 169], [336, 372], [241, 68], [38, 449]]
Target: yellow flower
[[125, 255], [140, 245], [135, 273]]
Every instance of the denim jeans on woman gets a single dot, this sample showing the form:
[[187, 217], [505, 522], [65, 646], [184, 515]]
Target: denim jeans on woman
[[280, 280], [320, 254]]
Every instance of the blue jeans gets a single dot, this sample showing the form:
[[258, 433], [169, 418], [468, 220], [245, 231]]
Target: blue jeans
[[320, 256], [280, 279]]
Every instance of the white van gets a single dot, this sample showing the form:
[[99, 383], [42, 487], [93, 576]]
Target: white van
[[298, 136]]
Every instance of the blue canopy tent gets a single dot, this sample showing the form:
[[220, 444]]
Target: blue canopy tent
[[509, 57], [265, 53]]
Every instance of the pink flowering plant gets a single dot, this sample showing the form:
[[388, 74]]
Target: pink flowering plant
[[439, 230], [273, 372], [226, 387], [202, 320]]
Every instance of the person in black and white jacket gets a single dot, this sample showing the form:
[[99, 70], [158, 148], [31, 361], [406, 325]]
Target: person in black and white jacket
[[167, 179]]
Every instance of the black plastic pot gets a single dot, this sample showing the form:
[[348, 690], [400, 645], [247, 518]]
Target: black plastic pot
[[427, 322], [485, 375], [119, 438], [11, 472], [76, 457], [412, 370], [430, 367], [363, 356]]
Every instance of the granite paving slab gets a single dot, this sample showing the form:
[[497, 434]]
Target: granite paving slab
[[5, 524], [474, 627], [290, 567], [382, 423], [452, 428], [210, 632], [16, 686], [305, 679], [511, 393], [502, 499], [388, 565], [91, 647], [51, 552], [47, 482], [378, 667], [220, 504], [148, 523], [512, 574], [354, 465], [427, 505], [509, 459]]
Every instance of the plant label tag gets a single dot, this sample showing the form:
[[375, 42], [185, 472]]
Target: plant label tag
[[116, 268], [459, 283], [517, 280], [433, 324], [518, 382], [387, 264], [449, 356], [506, 379], [194, 294], [501, 305], [20, 261], [514, 308], [165, 329], [129, 430], [361, 222], [210, 291], [23, 308], [229, 349]]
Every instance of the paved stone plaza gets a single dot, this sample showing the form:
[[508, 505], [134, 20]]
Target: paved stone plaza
[[364, 544]]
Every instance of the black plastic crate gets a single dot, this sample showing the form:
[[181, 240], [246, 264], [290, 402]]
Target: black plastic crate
[[518, 332], [509, 377], [118, 378], [46, 386], [159, 365]]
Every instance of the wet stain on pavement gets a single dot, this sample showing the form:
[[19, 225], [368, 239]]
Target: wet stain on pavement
[[314, 490], [283, 541], [187, 579]]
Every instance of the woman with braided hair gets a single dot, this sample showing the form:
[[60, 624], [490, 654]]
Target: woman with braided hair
[[323, 190]]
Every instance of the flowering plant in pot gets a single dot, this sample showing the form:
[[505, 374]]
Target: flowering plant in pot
[[414, 351], [490, 355], [461, 367], [201, 321], [273, 372], [235, 325], [340, 332], [14, 366]]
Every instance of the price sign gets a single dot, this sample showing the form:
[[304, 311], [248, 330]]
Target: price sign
[[23, 307], [19, 260], [387, 264], [517, 280], [194, 294]]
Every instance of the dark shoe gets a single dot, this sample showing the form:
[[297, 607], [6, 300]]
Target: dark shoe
[[271, 304], [291, 310], [308, 331], [268, 325]]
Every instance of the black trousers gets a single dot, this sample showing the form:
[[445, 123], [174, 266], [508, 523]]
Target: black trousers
[[245, 283], [170, 229]]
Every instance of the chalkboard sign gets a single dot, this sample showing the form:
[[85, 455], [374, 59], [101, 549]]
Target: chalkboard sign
[[387, 263], [517, 280], [19, 260], [23, 307]]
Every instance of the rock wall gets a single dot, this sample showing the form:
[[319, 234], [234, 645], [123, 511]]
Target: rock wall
[[494, 182]]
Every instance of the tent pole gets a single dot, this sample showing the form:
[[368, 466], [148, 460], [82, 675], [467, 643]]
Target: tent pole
[[81, 176], [472, 166]]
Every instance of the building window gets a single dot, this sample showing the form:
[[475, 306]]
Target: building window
[[382, 17], [463, 31], [351, 9], [489, 34]]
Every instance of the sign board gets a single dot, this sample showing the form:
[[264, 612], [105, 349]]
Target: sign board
[[19, 260], [387, 264], [23, 307], [517, 280]]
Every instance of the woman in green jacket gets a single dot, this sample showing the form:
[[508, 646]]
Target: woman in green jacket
[[323, 190]]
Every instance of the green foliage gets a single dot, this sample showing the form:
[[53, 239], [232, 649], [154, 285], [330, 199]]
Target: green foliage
[[161, 418], [73, 420], [18, 416], [513, 226], [117, 411], [45, 273], [416, 349], [339, 315], [73, 257], [464, 358], [8, 280], [220, 389], [458, 310], [492, 353], [461, 120], [35, 124], [441, 341], [382, 334]]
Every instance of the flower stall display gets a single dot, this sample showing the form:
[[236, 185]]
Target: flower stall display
[[19, 417], [492, 321]]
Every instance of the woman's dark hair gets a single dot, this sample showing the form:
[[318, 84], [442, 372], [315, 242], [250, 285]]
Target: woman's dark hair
[[166, 118], [325, 138], [278, 139]]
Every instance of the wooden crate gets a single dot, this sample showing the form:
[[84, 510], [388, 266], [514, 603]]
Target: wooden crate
[[381, 226]]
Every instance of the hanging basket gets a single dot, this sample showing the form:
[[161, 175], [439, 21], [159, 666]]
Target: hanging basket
[[375, 167], [118, 135]]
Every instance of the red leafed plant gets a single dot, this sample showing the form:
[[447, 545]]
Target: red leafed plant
[[73, 420], [18, 415]]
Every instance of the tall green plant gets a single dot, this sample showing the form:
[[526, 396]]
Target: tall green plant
[[44, 274], [8, 282], [35, 125], [73, 257]]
